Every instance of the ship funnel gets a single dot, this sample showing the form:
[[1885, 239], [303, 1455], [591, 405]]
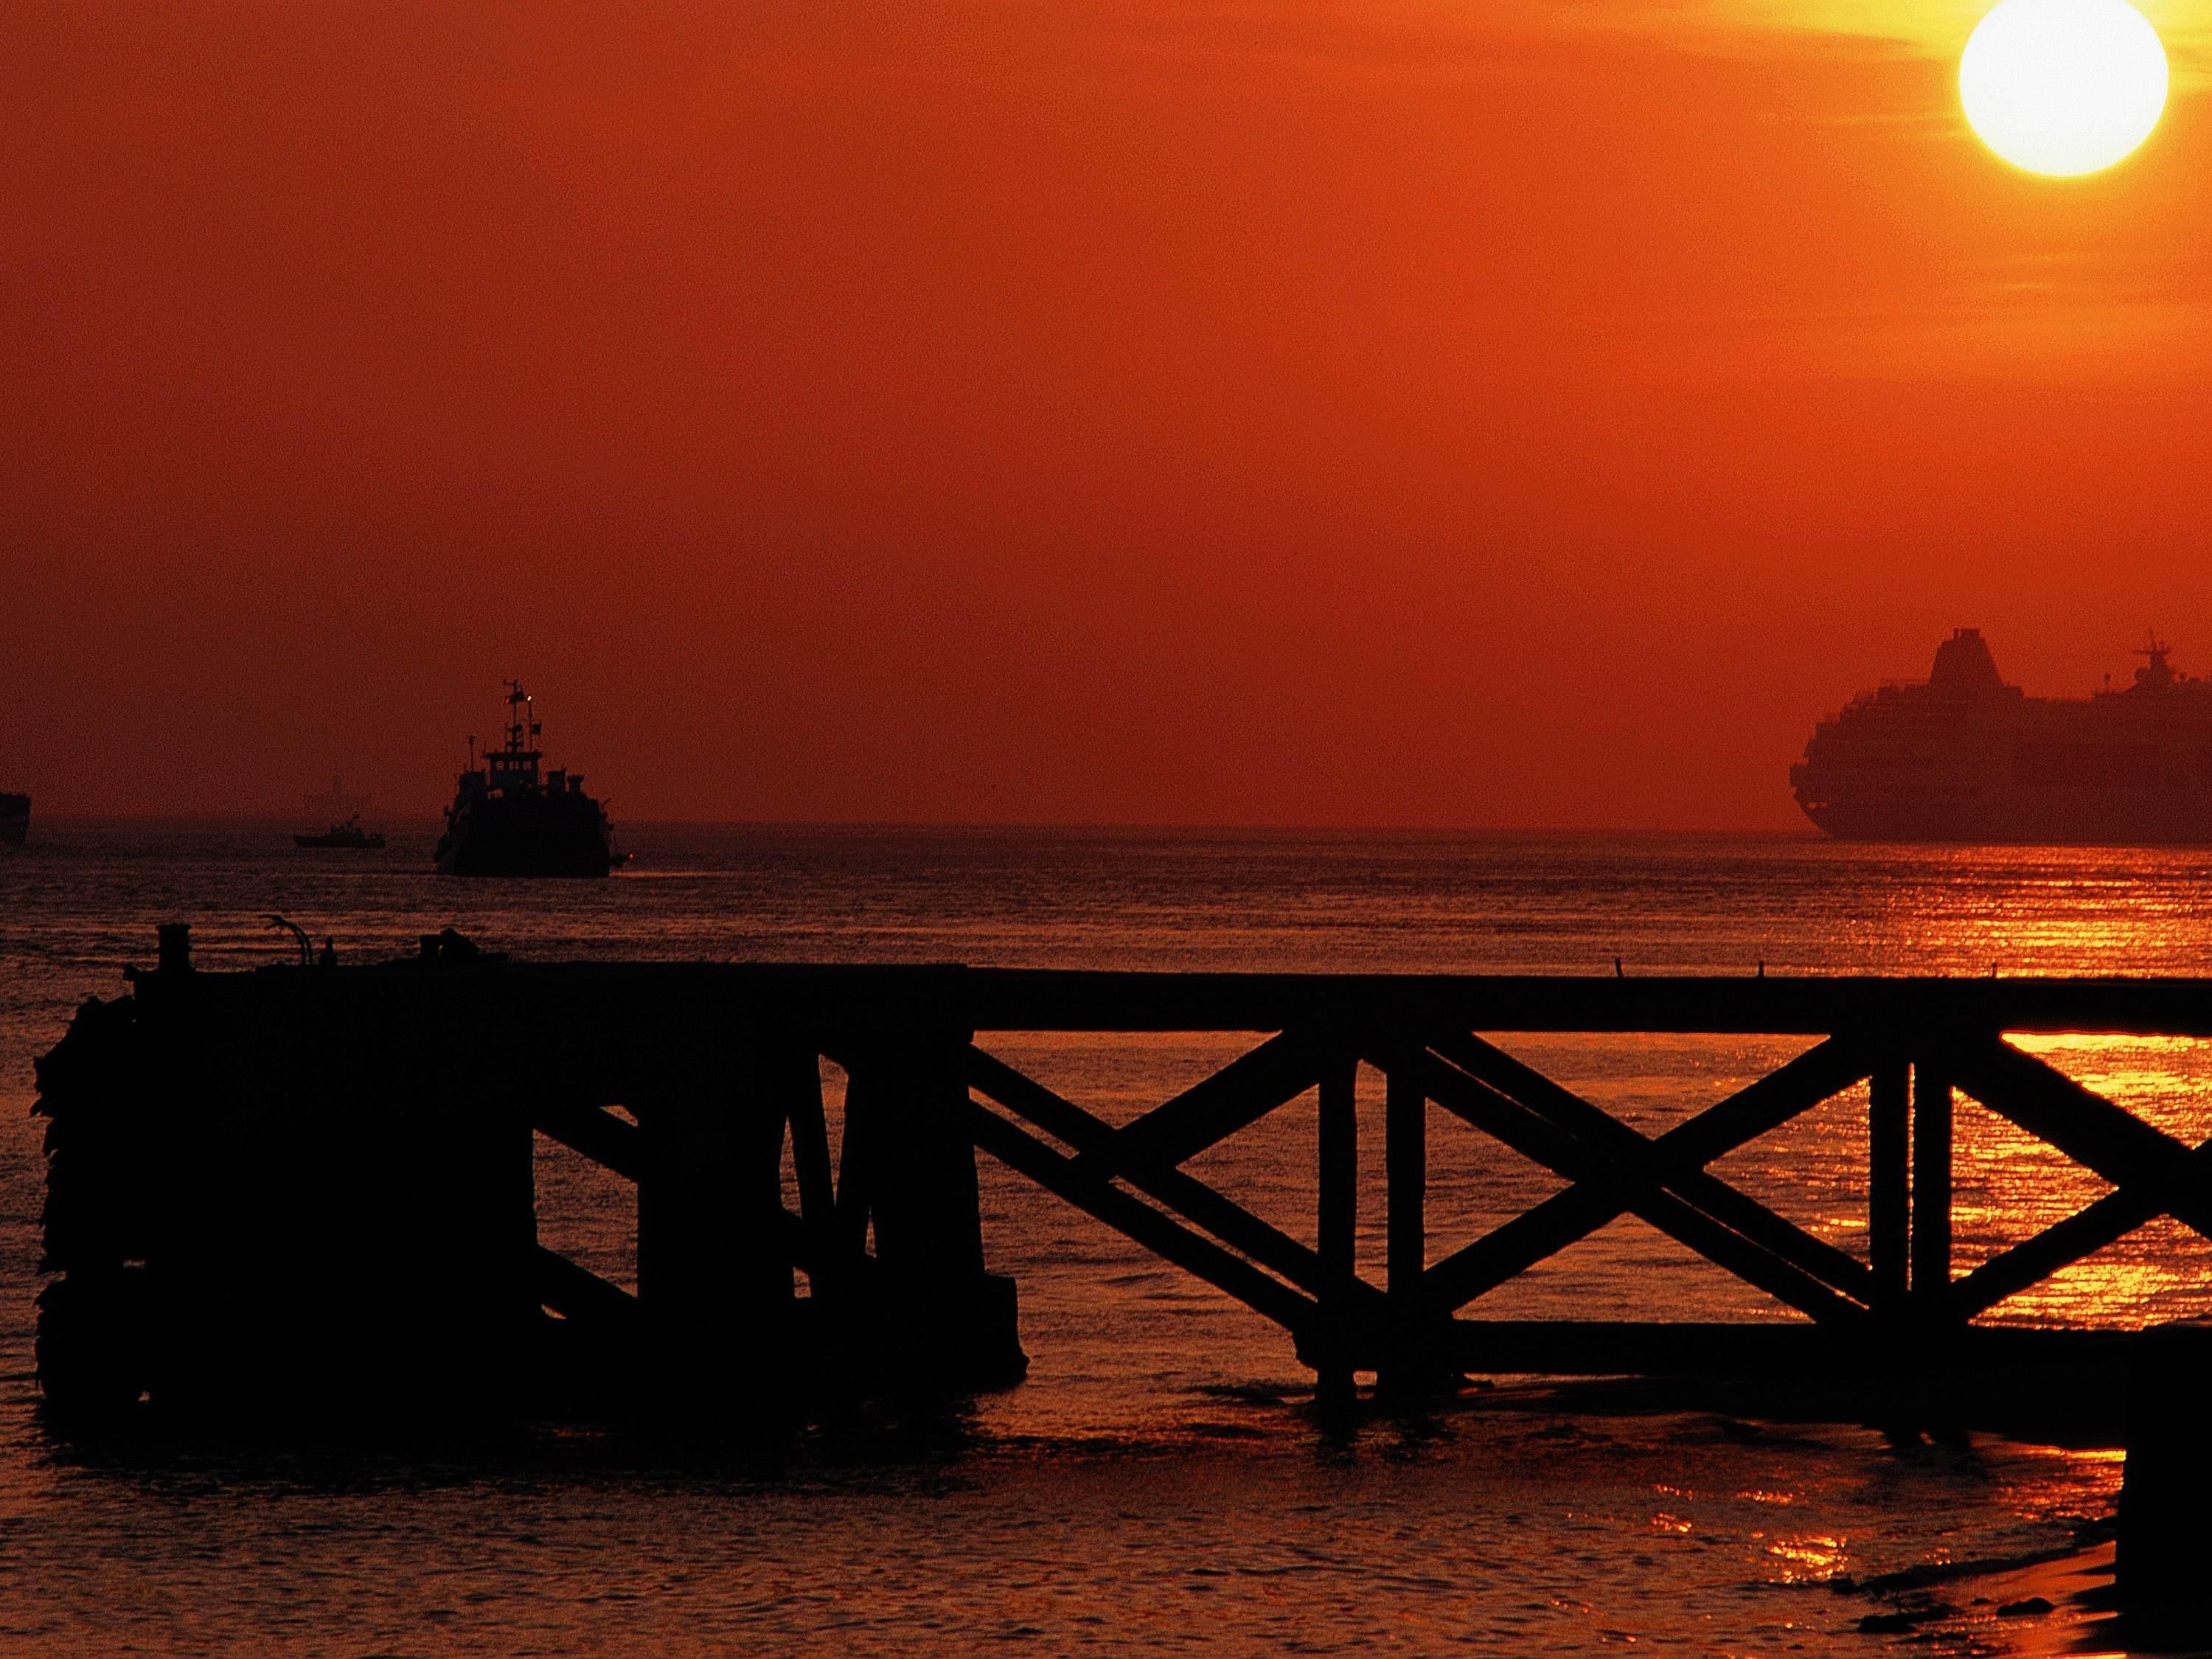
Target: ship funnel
[[1963, 664]]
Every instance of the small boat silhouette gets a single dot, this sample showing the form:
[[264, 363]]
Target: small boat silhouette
[[347, 834]]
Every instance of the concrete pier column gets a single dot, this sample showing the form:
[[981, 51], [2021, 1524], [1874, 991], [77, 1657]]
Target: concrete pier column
[[714, 1262], [2165, 1504], [910, 1162]]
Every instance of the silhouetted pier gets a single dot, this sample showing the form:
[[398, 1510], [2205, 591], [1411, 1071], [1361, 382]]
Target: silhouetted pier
[[316, 1183]]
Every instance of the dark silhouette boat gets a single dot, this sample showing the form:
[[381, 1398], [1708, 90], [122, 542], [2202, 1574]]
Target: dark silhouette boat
[[511, 817], [14, 818], [348, 834], [1963, 757]]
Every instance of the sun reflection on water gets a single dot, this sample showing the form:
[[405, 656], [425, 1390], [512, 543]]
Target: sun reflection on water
[[1807, 1558], [2010, 1185]]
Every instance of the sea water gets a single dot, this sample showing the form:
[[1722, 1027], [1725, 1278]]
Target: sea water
[[1157, 1484]]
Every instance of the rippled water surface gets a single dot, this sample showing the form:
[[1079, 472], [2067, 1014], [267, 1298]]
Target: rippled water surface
[[1156, 1483]]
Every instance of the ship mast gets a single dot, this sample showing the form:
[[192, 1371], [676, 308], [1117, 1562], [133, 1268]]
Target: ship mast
[[515, 766], [2154, 675]]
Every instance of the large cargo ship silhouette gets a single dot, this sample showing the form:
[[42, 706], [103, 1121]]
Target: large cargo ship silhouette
[[14, 818], [1962, 756], [510, 818]]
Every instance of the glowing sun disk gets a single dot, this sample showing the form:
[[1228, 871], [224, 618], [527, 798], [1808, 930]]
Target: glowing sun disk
[[2063, 86]]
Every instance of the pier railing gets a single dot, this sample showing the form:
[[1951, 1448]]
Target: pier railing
[[1914, 1044], [370, 1128]]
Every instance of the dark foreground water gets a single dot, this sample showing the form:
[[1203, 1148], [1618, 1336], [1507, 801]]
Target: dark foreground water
[[1156, 1484]]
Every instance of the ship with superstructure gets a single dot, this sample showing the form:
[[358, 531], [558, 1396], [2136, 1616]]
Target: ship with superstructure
[[1963, 757], [14, 818], [511, 817]]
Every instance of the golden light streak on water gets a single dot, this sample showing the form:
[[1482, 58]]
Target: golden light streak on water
[[1807, 1558]]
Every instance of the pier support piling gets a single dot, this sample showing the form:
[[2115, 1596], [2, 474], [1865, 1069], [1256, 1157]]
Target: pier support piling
[[2164, 1498], [908, 1148], [713, 1264]]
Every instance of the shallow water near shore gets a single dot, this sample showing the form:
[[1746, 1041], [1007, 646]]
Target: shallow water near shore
[[1157, 1483]]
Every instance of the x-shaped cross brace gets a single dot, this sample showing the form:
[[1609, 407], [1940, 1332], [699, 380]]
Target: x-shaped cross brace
[[1616, 1170]]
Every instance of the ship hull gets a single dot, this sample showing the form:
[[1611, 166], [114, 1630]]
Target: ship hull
[[2144, 818], [546, 835], [14, 819]]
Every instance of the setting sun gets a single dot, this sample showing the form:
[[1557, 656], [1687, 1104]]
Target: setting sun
[[2063, 86]]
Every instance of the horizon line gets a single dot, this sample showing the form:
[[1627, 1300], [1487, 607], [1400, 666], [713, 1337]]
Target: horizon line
[[431, 816]]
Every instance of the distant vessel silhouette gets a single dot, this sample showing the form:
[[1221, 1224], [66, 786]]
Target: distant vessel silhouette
[[347, 833], [14, 818], [511, 818], [1962, 756]]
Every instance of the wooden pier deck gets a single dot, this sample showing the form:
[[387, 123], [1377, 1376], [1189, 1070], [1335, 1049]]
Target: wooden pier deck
[[321, 1177]]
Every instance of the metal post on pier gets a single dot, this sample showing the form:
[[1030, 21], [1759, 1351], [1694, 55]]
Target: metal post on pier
[[1406, 1180], [1931, 1193], [1337, 1182], [1889, 1218]]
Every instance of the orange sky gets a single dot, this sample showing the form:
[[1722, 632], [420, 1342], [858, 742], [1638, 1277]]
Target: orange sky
[[1131, 411]]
